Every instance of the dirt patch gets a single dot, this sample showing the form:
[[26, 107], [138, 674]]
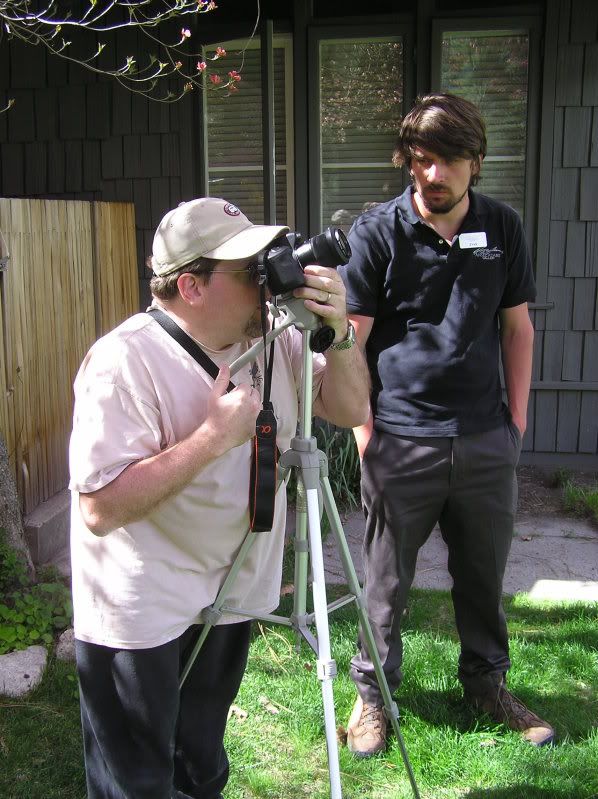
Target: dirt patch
[[541, 490]]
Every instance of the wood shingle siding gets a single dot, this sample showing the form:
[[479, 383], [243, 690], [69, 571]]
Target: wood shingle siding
[[73, 135], [588, 204], [576, 136]]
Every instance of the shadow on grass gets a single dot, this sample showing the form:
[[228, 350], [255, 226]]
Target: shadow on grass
[[448, 709], [521, 791], [521, 614]]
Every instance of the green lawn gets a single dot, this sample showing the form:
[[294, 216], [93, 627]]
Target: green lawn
[[555, 671]]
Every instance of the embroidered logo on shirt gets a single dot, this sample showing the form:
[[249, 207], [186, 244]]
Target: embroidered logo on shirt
[[256, 377], [487, 254]]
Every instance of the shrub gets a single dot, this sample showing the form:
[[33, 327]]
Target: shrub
[[581, 501], [29, 613], [344, 469]]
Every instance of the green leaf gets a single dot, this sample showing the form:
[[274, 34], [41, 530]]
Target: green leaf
[[8, 633]]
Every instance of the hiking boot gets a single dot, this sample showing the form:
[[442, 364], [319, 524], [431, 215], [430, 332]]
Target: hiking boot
[[366, 731], [490, 696]]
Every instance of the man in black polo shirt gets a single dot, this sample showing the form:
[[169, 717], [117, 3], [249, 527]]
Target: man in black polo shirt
[[437, 291]]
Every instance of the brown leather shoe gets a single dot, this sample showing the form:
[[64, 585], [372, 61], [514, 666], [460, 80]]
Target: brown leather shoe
[[366, 731], [490, 696]]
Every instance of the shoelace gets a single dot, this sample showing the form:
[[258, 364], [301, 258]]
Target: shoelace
[[372, 717], [512, 706]]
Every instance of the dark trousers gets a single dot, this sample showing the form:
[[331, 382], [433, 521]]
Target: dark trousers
[[467, 484], [145, 739]]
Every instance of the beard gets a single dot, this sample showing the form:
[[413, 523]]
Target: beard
[[439, 205], [253, 328]]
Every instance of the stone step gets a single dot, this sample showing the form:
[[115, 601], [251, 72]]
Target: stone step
[[47, 529]]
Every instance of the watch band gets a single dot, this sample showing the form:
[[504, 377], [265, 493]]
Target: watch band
[[347, 342]]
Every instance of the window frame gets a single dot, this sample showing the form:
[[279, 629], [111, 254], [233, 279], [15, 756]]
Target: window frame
[[533, 27], [319, 33], [284, 41]]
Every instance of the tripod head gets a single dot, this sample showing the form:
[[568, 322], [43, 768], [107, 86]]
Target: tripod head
[[287, 311]]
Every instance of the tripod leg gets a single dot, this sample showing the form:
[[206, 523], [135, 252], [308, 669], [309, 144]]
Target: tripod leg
[[390, 705], [299, 617], [212, 614], [326, 666]]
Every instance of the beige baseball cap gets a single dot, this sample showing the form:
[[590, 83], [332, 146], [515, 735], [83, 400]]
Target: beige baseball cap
[[207, 228]]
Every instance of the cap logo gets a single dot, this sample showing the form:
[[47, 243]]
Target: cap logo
[[231, 209]]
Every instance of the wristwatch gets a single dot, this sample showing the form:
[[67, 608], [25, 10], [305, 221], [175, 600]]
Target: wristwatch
[[347, 342]]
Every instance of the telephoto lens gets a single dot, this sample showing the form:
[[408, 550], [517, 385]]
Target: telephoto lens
[[285, 261], [329, 248]]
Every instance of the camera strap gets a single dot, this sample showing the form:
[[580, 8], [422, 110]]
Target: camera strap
[[264, 464], [187, 343], [264, 461]]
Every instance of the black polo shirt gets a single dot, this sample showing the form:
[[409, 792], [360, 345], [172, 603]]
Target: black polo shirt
[[434, 347]]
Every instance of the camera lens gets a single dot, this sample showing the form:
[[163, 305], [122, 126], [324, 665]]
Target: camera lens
[[342, 244], [329, 248]]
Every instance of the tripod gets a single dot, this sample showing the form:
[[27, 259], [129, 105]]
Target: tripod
[[312, 472]]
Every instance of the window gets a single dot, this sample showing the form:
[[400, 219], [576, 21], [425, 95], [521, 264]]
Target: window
[[493, 67], [234, 154], [360, 102]]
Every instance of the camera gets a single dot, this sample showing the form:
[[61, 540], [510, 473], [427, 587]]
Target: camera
[[282, 264]]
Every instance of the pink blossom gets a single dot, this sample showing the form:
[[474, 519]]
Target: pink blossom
[[234, 75], [220, 52], [178, 65], [216, 79], [185, 33], [201, 65]]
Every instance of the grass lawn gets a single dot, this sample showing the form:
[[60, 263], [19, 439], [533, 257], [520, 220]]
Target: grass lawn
[[283, 755]]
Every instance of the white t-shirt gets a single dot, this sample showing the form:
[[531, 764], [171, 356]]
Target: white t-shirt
[[141, 585]]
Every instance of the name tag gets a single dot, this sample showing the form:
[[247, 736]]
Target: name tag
[[469, 240]]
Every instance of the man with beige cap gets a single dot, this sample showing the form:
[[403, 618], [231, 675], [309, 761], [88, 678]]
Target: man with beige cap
[[160, 465]]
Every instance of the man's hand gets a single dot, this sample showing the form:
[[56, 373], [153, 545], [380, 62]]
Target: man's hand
[[520, 423], [324, 295], [234, 414], [144, 484]]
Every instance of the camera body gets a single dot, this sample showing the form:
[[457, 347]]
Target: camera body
[[282, 264]]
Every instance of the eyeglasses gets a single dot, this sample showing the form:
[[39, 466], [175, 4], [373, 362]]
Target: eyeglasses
[[252, 272]]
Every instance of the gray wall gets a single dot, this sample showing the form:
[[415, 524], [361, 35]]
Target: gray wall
[[563, 419], [71, 135]]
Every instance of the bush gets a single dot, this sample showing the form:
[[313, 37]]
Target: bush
[[581, 501], [344, 469], [29, 613], [13, 572]]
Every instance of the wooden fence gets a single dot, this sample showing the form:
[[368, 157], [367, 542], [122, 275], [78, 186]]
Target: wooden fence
[[70, 276]]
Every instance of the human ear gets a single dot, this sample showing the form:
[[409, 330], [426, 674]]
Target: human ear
[[191, 288]]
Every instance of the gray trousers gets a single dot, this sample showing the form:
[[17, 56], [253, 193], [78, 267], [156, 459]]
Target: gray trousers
[[467, 484]]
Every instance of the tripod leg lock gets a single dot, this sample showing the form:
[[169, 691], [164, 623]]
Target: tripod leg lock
[[326, 670], [392, 712], [360, 602], [211, 616]]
